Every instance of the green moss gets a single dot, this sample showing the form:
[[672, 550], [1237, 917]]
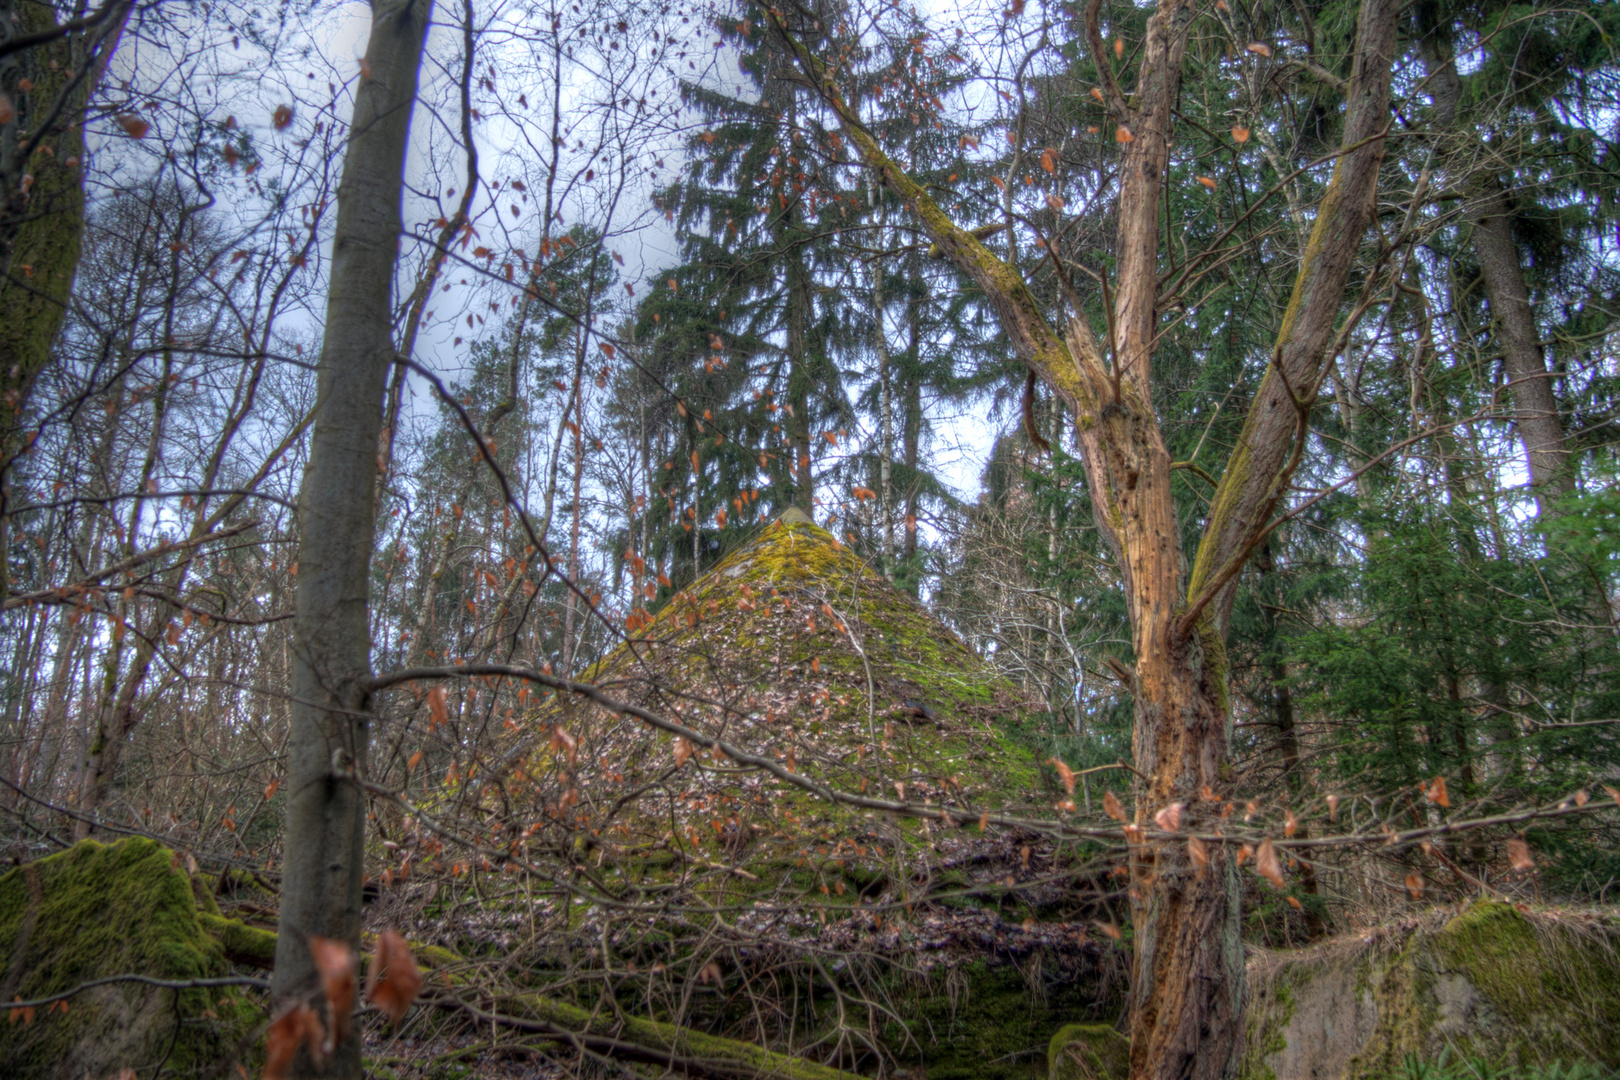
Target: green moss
[[97, 910], [1088, 1052], [983, 1021]]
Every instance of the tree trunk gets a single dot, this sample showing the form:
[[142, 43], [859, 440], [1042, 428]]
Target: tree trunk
[[1535, 406], [325, 829]]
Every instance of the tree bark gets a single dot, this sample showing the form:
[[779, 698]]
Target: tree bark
[[325, 829]]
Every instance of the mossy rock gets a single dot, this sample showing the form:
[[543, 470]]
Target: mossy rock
[[1492, 984], [986, 1021], [1088, 1052], [792, 647], [97, 910]]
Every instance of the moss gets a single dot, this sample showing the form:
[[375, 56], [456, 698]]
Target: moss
[[1088, 1052], [984, 1021], [97, 910], [1492, 985], [241, 943]]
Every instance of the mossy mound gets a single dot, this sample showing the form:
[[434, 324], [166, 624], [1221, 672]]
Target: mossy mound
[[1088, 1052], [792, 647], [98, 910], [1494, 984]]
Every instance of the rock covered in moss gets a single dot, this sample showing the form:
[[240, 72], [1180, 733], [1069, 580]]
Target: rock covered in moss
[[1493, 983], [98, 910], [1088, 1052]]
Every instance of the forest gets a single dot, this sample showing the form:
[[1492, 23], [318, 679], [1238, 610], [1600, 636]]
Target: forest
[[1075, 540]]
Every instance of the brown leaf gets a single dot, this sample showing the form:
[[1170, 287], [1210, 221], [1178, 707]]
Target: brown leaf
[[1065, 773], [1266, 863], [683, 750], [1436, 792], [1258, 48], [1613, 793], [1198, 852], [1581, 797], [1111, 806], [1519, 854], [1293, 902], [281, 117], [394, 981], [1110, 929], [1123, 134], [1414, 885], [1240, 133], [1048, 160], [1169, 819], [133, 126], [8, 111], [438, 713], [297, 1025], [416, 759], [1290, 825], [1055, 203], [334, 961], [270, 789], [1333, 807]]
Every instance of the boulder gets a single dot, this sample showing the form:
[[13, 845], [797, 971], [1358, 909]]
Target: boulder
[[1496, 984], [98, 910]]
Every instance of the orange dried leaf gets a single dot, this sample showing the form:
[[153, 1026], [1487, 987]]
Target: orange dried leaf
[[1207, 181], [1048, 160], [1198, 852], [1111, 806], [270, 789], [1097, 93], [1519, 854], [133, 126], [416, 759], [1414, 885], [1110, 929], [1436, 792], [297, 1025], [1123, 134], [1259, 49], [1290, 825], [1169, 819], [334, 962], [1065, 773], [395, 980], [683, 750], [1266, 863], [1333, 807], [1293, 902], [438, 712], [1240, 133]]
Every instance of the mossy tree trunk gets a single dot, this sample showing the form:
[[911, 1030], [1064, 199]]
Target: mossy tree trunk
[[44, 88], [1187, 996], [325, 830]]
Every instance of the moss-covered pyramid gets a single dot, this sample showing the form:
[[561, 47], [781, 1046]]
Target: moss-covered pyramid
[[100, 910], [795, 648]]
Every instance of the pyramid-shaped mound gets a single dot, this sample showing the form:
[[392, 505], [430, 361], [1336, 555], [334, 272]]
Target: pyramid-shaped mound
[[792, 648]]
